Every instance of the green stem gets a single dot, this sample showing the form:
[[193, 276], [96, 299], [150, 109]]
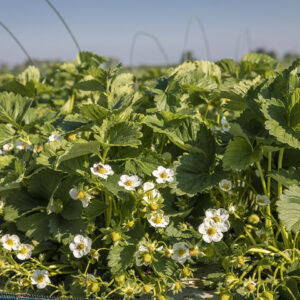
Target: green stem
[[262, 178], [108, 214], [282, 229], [280, 158], [280, 252]]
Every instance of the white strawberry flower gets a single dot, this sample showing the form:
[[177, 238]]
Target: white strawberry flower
[[10, 242], [80, 195], [24, 251], [22, 146], [180, 252], [225, 125], [130, 182], [158, 220], [225, 185], [211, 231], [220, 215], [163, 175], [262, 200], [8, 147], [55, 137], [149, 192], [80, 246], [40, 278], [102, 170]]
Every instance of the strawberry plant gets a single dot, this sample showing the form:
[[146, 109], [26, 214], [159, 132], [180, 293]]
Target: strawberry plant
[[115, 185]]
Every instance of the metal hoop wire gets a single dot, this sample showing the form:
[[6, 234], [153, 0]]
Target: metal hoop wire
[[18, 42], [151, 36], [203, 31], [65, 24]]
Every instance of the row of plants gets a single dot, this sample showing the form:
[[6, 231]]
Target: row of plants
[[116, 185]]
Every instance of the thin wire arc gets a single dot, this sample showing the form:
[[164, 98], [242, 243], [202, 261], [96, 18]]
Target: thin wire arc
[[154, 38], [65, 24], [204, 35], [18, 42]]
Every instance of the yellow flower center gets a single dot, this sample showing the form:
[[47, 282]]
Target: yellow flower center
[[194, 251], [240, 260], [100, 170], [23, 146], [80, 195], [263, 237], [216, 219], [153, 206], [23, 250], [10, 242], [261, 201], [177, 286], [250, 287], [129, 183], [151, 248], [147, 258], [225, 125], [225, 186], [163, 175], [181, 252], [81, 246], [129, 291], [72, 136], [149, 194], [40, 279], [157, 220], [211, 231], [39, 149]]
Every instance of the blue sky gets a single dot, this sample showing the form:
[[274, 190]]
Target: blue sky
[[107, 27]]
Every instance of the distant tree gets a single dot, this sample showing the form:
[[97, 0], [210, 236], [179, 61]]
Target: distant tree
[[271, 53], [187, 55]]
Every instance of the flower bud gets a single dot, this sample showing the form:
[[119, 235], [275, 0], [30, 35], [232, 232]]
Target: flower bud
[[94, 287], [253, 219], [115, 236], [187, 272], [147, 258], [267, 295], [147, 288], [225, 296]]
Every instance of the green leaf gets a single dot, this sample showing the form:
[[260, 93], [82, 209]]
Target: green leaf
[[17, 203], [29, 74], [94, 112], [64, 230], [35, 226], [94, 209], [240, 154], [72, 210], [90, 85], [121, 257], [279, 122], [119, 134], [13, 108], [286, 177], [146, 162], [79, 149], [193, 174], [44, 185], [288, 208], [6, 134], [6, 160]]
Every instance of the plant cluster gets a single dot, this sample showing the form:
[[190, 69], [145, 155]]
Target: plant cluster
[[115, 185]]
